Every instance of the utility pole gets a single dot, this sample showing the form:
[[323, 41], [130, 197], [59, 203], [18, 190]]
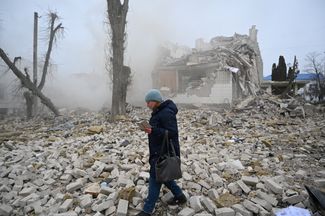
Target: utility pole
[[35, 38]]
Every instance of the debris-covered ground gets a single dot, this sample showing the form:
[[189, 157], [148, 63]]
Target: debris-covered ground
[[253, 160]]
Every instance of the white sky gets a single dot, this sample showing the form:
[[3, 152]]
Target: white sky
[[286, 27]]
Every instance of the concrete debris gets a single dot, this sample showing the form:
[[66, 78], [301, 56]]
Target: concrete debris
[[235, 162]]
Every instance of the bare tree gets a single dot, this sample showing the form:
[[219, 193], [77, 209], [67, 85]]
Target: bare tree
[[316, 64], [117, 19], [27, 83], [54, 29]]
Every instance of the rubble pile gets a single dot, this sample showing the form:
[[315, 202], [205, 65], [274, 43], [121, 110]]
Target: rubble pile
[[252, 160]]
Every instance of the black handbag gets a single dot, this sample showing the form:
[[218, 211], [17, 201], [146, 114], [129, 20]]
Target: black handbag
[[168, 165]]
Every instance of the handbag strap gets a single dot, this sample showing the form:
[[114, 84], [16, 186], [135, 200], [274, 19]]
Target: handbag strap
[[166, 145]]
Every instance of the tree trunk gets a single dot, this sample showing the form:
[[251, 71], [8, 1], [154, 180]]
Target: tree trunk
[[28, 83], [29, 104], [117, 17]]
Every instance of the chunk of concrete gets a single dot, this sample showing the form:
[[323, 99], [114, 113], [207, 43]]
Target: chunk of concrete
[[66, 205], [243, 186], [122, 208], [249, 180], [273, 186], [5, 210], [195, 203], [186, 212], [242, 210], [251, 206], [208, 204], [224, 212]]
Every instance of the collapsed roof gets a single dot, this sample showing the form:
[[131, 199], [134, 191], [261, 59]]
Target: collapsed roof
[[238, 55]]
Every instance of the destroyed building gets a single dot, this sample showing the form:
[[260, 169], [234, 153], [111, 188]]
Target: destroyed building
[[220, 71]]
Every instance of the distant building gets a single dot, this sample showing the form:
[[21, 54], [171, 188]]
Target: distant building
[[215, 72]]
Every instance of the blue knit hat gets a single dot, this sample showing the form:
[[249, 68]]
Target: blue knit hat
[[154, 95]]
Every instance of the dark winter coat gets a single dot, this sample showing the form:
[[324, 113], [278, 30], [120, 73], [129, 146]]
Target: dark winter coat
[[163, 118]]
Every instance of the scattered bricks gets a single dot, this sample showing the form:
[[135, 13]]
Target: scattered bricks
[[70, 213], [136, 201], [107, 190], [217, 180], [187, 212], [234, 188], [243, 186], [4, 188], [268, 198], [224, 212], [293, 199], [5, 210], [301, 174], [262, 203], [194, 186], [187, 177], [86, 201], [249, 180], [79, 173], [28, 199], [37, 206], [167, 196], [273, 186], [144, 175], [251, 206], [122, 208], [122, 182], [260, 186], [98, 214], [213, 194], [66, 205], [212, 160], [66, 177], [208, 204], [204, 184], [93, 189], [203, 214], [74, 186], [195, 203], [110, 210], [98, 171], [241, 209], [105, 205], [27, 191]]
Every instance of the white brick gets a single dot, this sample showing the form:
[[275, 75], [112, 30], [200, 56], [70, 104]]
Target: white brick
[[251, 206], [242, 210], [204, 184], [105, 205], [86, 201], [234, 188], [5, 210], [213, 194], [243, 186], [74, 186], [267, 198], [262, 203], [186, 212], [273, 186], [167, 196], [27, 191], [195, 203], [217, 180], [208, 204], [66, 205], [294, 199], [122, 208], [224, 212], [249, 180]]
